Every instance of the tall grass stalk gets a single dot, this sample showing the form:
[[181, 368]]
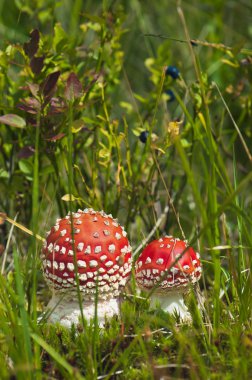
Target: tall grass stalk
[[35, 218], [211, 178], [34, 245], [27, 354], [70, 190]]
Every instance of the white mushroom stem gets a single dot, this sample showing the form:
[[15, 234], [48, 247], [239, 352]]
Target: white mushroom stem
[[173, 304], [66, 310]]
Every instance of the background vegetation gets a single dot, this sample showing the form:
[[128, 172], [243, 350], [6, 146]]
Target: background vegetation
[[85, 111]]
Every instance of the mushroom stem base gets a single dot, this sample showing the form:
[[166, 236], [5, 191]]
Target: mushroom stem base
[[172, 304], [67, 311]]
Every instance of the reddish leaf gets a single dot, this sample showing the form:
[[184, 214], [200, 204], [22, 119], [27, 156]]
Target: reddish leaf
[[56, 137], [49, 85], [13, 120], [57, 106], [57, 103], [34, 88], [32, 102], [37, 64], [31, 47], [2, 249], [73, 88], [26, 108], [29, 105], [26, 152], [2, 218], [31, 120]]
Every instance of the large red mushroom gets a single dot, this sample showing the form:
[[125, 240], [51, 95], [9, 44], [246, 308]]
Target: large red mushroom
[[94, 246], [167, 267]]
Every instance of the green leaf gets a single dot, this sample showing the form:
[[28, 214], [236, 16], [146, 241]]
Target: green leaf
[[77, 125], [185, 143], [230, 63], [87, 120], [60, 38], [127, 106], [13, 120], [25, 166], [69, 198], [94, 18], [4, 174], [140, 98]]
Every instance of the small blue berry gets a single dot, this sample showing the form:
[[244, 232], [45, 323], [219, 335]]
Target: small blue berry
[[143, 136], [172, 71], [171, 95]]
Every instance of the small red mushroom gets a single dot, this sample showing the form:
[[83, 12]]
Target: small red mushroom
[[103, 265], [169, 265]]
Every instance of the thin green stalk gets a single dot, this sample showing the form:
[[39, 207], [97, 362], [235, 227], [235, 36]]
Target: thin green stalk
[[23, 315], [244, 144], [73, 372], [35, 217], [212, 195], [241, 259], [70, 190], [74, 19], [35, 211], [5, 300]]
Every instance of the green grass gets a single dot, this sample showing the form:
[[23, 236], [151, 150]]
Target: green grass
[[82, 149]]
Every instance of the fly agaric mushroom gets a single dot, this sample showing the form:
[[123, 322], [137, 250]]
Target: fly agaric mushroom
[[169, 266], [103, 264]]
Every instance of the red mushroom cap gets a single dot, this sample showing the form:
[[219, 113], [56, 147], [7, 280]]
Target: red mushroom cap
[[102, 250], [157, 265]]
